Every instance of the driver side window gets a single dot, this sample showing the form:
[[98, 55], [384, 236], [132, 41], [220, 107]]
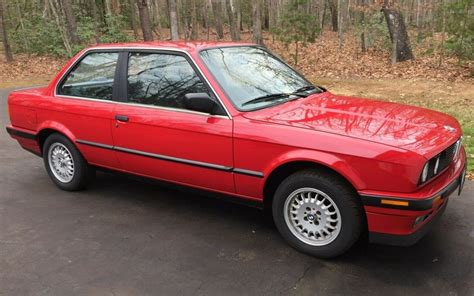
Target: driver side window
[[161, 80]]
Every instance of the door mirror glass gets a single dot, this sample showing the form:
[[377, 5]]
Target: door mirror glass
[[200, 102]]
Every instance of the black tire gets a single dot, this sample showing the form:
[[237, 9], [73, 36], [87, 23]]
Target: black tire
[[83, 173], [344, 197]]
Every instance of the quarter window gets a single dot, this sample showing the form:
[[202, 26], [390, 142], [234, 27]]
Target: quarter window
[[161, 80], [92, 78]]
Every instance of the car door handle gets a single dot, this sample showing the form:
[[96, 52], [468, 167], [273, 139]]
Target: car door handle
[[122, 118]]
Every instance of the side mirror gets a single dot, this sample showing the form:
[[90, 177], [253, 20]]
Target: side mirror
[[200, 102]]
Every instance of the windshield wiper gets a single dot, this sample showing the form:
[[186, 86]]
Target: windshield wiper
[[305, 88], [273, 97]]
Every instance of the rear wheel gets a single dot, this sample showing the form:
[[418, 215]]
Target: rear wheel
[[65, 165], [317, 213]]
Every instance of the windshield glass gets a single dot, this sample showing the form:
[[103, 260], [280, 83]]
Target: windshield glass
[[253, 78]]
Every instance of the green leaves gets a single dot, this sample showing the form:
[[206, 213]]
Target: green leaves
[[297, 26], [460, 29]]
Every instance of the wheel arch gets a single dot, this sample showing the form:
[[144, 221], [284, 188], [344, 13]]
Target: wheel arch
[[281, 171], [286, 169], [49, 128]]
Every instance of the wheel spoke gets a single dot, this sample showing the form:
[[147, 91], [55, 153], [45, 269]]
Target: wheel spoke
[[312, 216], [61, 162]]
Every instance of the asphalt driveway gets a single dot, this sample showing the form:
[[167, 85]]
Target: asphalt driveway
[[127, 237]]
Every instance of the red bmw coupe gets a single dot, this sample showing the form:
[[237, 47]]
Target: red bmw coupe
[[235, 119]]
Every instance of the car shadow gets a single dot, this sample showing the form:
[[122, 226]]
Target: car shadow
[[432, 259]]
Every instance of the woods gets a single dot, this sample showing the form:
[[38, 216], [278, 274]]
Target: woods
[[62, 27]]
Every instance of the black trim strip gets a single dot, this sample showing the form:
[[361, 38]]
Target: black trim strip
[[413, 204], [248, 173], [22, 134], [175, 159], [94, 144]]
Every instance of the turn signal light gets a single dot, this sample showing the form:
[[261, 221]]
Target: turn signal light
[[394, 202]]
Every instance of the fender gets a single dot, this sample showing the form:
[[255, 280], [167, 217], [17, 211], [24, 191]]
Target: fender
[[329, 160], [54, 125]]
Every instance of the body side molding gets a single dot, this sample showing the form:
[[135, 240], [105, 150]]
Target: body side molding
[[174, 159]]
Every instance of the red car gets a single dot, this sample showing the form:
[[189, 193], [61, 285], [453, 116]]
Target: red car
[[234, 119]]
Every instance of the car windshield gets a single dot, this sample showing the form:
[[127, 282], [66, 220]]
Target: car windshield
[[253, 78]]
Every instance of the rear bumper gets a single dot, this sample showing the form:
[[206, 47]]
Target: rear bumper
[[403, 221], [27, 139]]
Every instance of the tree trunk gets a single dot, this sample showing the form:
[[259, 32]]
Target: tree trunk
[[340, 24], [70, 21], [133, 18], [217, 11], [363, 34], [115, 7], [441, 56], [234, 27], [54, 6], [272, 13], [257, 22], [334, 19], [145, 19], [95, 17], [322, 14], [266, 21], [194, 22], [398, 34], [173, 19], [6, 43], [22, 25]]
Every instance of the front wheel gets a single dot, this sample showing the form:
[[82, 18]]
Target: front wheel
[[317, 213], [65, 165]]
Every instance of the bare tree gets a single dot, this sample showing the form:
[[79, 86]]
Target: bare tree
[[6, 43], [112, 7], [273, 13], [257, 22], [54, 7], [234, 27], [70, 21], [144, 14], [401, 50], [334, 15], [133, 17], [194, 22], [340, 24], [173, 19], [95, 17], [217, 11]]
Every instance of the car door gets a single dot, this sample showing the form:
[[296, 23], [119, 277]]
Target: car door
[[83, 103], [157, 136]]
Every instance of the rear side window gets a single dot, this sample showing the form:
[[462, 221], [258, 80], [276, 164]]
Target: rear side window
[[161, 79], [92, 78]]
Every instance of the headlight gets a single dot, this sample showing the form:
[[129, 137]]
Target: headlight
[[436, 167], [458, 148], [424, 174]]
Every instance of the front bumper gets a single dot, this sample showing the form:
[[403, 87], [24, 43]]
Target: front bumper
[[412, 237], [403, 221]]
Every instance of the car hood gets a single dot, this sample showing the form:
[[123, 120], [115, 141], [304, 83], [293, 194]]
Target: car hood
[[412, 128]]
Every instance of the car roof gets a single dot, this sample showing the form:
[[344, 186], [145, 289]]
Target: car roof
[[181, 45]]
